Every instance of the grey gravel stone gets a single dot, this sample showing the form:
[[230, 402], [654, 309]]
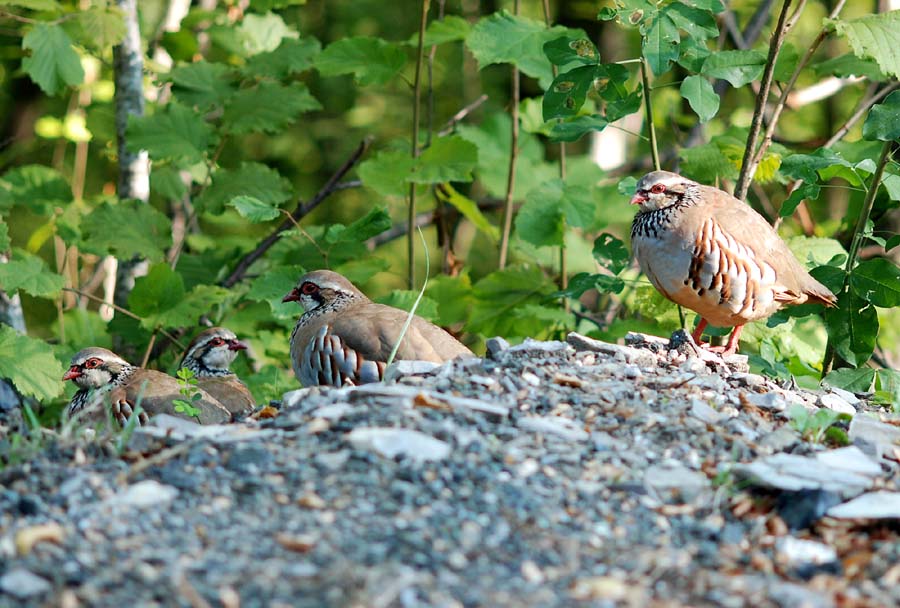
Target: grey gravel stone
[[836, 403], [872, 505], [23, 584], [399, 369], [554, 425], [392, 443], [877, 438]]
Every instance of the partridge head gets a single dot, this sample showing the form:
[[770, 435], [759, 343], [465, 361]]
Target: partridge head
[[210, 356], [103, 377], [706, 250], [343, 337]]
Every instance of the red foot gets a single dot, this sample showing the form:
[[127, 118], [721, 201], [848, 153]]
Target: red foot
[[730, 347]]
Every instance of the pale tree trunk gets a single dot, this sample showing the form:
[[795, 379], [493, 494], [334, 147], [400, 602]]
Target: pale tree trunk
[[134, 168]]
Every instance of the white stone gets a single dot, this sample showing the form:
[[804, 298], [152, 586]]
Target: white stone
[[147, 493], [554, 425], [766, 401], [408, 367], [836, 403], [674, 483], [797, 552], [393, 442], [701, 410], [334, 411], [883, 438], [873, 505], [22, 583]]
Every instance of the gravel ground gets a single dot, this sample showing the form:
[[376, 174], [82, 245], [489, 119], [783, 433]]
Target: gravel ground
[[549, 474]]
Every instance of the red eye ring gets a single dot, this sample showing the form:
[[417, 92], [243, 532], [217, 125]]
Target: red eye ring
[[217, 341], [657, 188], [309, 289], [92, 363]]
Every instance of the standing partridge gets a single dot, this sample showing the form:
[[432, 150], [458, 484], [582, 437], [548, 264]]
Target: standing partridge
[[103, 376], [345, 338], [209, 357], [706, 250]]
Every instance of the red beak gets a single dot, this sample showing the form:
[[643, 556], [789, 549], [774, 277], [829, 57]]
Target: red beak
[[638, 198], [74, 372], [236, 345], [292, 296]]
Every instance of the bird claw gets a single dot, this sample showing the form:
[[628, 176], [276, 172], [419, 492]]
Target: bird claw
[[123, 412]]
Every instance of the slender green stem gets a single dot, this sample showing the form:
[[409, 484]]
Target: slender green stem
[[513, 160], [858, 235], [417, 93], [648, 107]]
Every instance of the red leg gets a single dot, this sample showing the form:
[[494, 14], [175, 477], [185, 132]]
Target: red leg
[[698, 333], [732, 345]]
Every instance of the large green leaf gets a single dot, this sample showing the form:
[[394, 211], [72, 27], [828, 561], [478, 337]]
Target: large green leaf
[[250, 179], [268, 107], [852, 328], [370, 60], [127, 229], [877, 281], [272, 285], [737, 67], [53, 63], [30, 365], [371, 224], [254, 209], [501, 301], [291, 57], [28, 273], [176, 132], [263, 33], [566, 49], [700, 94], [573, 129], [453, 296], [660, 44], [404, 299], [160, 290], [568, 92], [37, 187], [202, 84], [875, 36], [847, 65], [698, 22], [859, 380], [541, 221], [449, 29], [386, 172], [449, 158], [505, 38], [99, 27], [611, 253], [883, 121]]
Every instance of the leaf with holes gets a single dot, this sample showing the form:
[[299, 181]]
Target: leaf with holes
[[877, 281], [611, 253], [568, 92], [660, 44], [567, 49]]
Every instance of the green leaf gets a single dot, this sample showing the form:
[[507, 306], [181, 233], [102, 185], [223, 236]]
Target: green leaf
[[449, 29], [660, 44], [202, 84], [4, 236], [450, 158], [273, 285], [30, 365], [877, 281], [786, 64], [875, 36], [28, 273], [505, 38], [291, 57], [267, 5], [453, 296], [701, 96], [386, 172], [83, 327], [804, 192], [548, 208], [469, 209], [699, 23], [852, 328], [860, 380], [737, 67], [198, 302], [584, 281], [127, 229], [883, 121], [370, 60], [53, 63], [807, 166], [35, 5], [167, 182], [706, 163], [36, 187], [849, 65], [567, 50], [251, 179], [100, 27], [254, 209], [573, 128], [404, 300], [371, 224], [176, 132], [263, 33], [501, 299], [611, 253], [568, 92], [268, 107], [161, 289]]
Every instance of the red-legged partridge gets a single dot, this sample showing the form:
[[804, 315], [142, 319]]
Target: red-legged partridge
[[103, 377], [706, 250], [345, 338], [209, 356]]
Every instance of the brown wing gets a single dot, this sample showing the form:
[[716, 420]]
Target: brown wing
[[156, 393], [230, 392]]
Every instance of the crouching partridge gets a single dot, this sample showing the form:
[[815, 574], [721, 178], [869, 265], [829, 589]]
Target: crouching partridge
[[345, 338], [706, 250], [102, 376], [209, 356]]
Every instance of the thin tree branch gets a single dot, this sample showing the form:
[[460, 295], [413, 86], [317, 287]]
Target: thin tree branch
[[645, 80], [417, 96], [459, 116], [747, 167], [513, 160], [779, 106], [332, 185]]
